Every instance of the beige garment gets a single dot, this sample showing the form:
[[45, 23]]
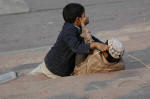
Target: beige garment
[[42, 69], [95, 63]]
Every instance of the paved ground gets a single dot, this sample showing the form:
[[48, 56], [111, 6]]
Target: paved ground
[[13, 7], [127, 20], [133, 83], [41, 25]]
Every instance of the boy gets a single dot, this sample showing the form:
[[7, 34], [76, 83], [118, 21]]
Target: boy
[[60, 60]]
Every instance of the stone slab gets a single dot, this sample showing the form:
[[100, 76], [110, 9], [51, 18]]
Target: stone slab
[[13, 6]]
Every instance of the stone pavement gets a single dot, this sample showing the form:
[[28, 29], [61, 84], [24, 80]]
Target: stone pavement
[[132, 83], [13, 7], [41, 25], [25, 38]]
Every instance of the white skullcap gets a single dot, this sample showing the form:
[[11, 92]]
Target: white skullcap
[[116, 48]]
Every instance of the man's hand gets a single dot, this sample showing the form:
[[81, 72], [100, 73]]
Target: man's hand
[[99, 46], [84, 20]]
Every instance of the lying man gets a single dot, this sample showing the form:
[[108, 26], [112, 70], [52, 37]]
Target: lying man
[[100, 61]]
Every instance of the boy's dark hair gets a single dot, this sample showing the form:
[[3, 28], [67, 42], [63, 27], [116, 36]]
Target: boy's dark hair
[[72, 11]]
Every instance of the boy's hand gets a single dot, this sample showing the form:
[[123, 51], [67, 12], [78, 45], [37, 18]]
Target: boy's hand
[[102, 47], [99, 46]]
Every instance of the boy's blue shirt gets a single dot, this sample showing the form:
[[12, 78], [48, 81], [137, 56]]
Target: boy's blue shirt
[[60, 60]]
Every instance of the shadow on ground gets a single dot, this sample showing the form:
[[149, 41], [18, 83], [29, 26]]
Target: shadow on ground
[[69, 96], [142, 55], [24, 69], [140, 93], [25, 66]]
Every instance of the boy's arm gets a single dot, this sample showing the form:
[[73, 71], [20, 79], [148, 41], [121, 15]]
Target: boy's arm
[[88, 38], [75, 43], [78, 46]]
